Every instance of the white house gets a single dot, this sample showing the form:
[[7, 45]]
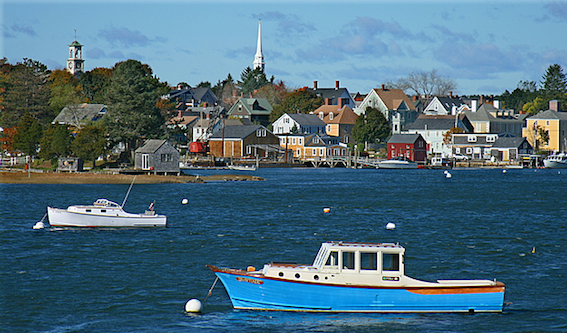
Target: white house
[[303, 123]]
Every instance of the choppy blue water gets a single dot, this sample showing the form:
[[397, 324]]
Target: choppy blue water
[[478, 224]]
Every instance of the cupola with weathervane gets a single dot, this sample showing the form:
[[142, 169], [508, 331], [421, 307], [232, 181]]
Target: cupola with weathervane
[[75, 63]]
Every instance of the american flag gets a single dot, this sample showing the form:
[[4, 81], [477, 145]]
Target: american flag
[[151, 206]]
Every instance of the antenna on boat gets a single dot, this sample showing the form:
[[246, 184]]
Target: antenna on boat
[[128, 193]]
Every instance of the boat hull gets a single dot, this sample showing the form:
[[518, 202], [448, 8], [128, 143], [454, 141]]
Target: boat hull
[[251, 292], [386, 165], [554, 164], [64, 218]]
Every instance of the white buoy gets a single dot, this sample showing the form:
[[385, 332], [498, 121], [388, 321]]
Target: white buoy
[[504, 171], [39, 225], [390, 226], [184, 201], [448, 175], [326, 210], [445, 172], [193, 305]]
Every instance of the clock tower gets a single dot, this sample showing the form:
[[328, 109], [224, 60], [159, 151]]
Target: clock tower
[[75, 63]]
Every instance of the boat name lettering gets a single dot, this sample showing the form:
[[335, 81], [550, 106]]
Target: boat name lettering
[[243, 279], [390, 278]]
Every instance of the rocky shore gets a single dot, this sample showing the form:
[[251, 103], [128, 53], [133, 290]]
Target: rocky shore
[[21, 177]]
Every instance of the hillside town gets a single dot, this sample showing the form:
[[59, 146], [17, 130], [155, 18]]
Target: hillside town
[[259, 121]]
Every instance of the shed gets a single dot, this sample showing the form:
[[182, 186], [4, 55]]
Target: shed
[[157, 156], [70, 164], [410, 146]]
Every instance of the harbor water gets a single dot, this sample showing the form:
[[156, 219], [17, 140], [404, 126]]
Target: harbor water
[[478, 224]]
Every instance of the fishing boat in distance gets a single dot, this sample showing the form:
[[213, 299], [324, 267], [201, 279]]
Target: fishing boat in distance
[[556, 161], [355, 277], [397, 163], [242, 167], [103, 213]]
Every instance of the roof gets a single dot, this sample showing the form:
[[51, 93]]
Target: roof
[[306, 119], [449, 102], [151, 146], [330, 93], [256, 106], [508, 142], [482, 114], [393, 98], [80, 114], [345, 115], [404, 138], [550, 114], [183, 120], [236, 131], [432, 123]]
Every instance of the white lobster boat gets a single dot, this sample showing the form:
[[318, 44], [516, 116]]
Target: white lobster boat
[[556, 161], [103, 213]]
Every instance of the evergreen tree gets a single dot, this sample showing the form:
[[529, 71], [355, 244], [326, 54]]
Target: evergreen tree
[[55, 143], [133, 113], [554, 84], [90, 143], [28, 135], [95, 84], [253, 79], [371, 126]]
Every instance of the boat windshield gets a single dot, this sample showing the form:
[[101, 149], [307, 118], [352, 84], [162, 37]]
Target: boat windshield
[[106, 203]]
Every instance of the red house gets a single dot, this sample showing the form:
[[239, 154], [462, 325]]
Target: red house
[[410, 146]]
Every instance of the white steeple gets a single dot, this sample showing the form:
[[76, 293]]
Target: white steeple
[[259, 57], [75, 62]]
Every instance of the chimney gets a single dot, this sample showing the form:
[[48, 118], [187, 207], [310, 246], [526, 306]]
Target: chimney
[[414, 98], [474, 105], [327, 101], [341, 102], [383, 87], [451, 94], [336, 85], [314, 85], [481, 100], [555, 105], [496, 104]]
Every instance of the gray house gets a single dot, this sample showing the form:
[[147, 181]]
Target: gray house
[[80, 115], [157, 156]]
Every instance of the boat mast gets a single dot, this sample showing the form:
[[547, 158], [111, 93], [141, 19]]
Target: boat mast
[[128, 193]]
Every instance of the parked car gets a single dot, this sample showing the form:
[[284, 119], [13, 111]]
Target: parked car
[[460, 157]]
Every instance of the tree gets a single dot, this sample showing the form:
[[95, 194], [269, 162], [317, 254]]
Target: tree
[[225, 89], [204, 84], [133, 113], [299, 101], [64, 91], [425, 84], [95, 84], [253, 79], [371, 126], [90, 143], [537, 105], [29, 132], [526, 91], [554, 84], [24, 90], [448, 136], [55, 143], [274, 93]]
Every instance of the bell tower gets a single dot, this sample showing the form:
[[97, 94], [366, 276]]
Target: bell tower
[[75, 63]]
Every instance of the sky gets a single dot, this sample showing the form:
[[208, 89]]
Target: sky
[[486, 47]]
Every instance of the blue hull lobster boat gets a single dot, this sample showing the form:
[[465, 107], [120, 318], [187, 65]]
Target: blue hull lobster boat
[[355, 277]]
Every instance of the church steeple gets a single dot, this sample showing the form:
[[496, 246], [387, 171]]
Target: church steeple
[[259, 57], [75, 63]]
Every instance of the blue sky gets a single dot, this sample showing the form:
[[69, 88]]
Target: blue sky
[[486, 47]]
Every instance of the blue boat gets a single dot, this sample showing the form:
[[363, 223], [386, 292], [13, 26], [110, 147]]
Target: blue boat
[[355, 277]]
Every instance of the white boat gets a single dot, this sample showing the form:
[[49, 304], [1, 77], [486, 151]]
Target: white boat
[[354, 277], [556, 161], [103, 213], [242, 167], [397, 163]]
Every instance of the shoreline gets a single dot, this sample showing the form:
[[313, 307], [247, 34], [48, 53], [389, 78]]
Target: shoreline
[[23, 177]]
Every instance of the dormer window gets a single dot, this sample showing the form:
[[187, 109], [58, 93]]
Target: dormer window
[[321, 115], [331, 116], [472, 138]]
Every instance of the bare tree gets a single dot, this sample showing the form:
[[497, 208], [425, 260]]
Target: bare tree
[[424, 84]]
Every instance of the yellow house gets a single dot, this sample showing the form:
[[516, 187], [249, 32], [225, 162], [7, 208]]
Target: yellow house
[[552, 121], [312, 146]]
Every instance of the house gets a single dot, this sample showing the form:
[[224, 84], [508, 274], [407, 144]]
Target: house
[[244, 140], [339, 121], [511, 149], [554, 122], [433, 130], [186, 97], [473, 145], [410, 146], [298, 123], [334, 96], [445, 105], [70, 164], [310, 146], [157, 156], [489, 119], [256, 110], [80, 115], [182, 122], [394, 104]]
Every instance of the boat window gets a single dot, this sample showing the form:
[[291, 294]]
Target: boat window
[[390, 262], [348, 260], [333, 259], [368, 261], [103, 210], [88, 210]]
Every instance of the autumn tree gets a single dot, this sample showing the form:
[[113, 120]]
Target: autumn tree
[[371, 126], [90, 143], [133, 113], [28, 135], [448, 136], [225, 89], [540, 103], [299, 101], [274, 93], [64, 91], [95, 84]]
